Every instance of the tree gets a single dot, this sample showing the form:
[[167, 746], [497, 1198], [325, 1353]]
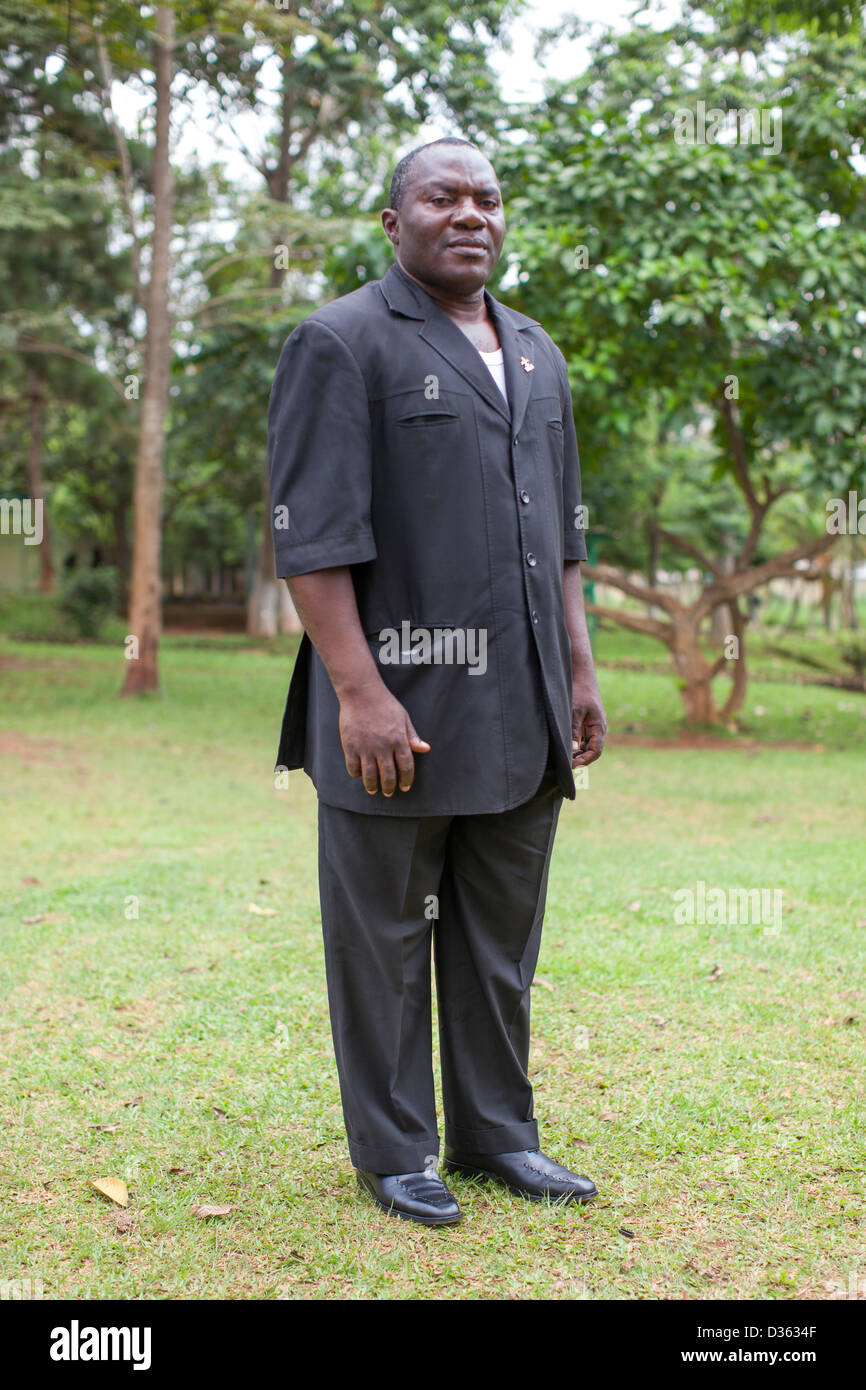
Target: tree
[[64, 298], [145, 602], [714, 277]]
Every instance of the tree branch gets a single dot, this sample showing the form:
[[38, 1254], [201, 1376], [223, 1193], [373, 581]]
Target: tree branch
[[745, 581], [607, 574], [58, 350], [680, 543], [651, 627]]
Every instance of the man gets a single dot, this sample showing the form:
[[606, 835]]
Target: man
[[425, 489]]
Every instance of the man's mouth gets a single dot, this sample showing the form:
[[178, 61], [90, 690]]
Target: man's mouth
[[467, 246]]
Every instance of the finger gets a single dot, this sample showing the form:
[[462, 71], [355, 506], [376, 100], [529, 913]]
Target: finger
[[387, 773], [353, 764], [405, 766], [417, 743], [370, 773], [592, 748]]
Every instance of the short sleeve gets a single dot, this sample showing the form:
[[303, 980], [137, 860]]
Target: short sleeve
[[319, 455], [573, 511]]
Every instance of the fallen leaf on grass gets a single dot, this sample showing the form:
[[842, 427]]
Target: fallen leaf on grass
[[176, 1168], [112, 1188], [716, 973], [136, 1100], [108, 1129], [29, 880], [634, 907], [123, 1222], [31, 921], [658, 1020], [261, 911], [202, 1209], [545, 984]]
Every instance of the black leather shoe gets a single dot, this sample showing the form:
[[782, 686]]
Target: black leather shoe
[[528, 1173], [413, 1196]]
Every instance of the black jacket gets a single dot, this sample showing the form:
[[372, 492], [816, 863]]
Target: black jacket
[[393, 451]]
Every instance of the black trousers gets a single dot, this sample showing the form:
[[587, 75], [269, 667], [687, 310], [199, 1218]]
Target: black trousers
[[474, 887]]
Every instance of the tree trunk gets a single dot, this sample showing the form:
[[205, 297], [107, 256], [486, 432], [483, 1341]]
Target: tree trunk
[[848, 560], [35, 487], [145, 608], [695, 672], [270, 605], [739, 677], [264, 597]]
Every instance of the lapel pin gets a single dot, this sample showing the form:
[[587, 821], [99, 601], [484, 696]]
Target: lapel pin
[[527, 365]]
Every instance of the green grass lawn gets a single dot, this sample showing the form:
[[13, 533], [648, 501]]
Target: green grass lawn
[[709, 1078]]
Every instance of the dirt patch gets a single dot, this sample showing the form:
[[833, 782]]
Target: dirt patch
[[707, 741], [17, 663], [30, 750]]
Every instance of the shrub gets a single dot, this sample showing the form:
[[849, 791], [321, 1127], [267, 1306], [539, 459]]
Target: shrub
[[88, 597]]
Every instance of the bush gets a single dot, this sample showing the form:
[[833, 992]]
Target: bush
[[89, 597]]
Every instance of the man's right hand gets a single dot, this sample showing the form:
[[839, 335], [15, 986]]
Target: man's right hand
[[379, 740]]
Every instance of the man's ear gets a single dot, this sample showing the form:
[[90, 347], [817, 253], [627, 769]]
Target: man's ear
[[391, 223]]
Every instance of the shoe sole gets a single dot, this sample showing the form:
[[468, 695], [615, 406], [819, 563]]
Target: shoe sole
[[391, 1210], [563, 1200]]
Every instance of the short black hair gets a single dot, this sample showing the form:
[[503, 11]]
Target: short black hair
[[403, 172]]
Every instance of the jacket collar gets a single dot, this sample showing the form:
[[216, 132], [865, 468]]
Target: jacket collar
[[405, 296]]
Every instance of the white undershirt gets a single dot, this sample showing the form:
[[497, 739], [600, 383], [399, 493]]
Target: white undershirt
[[496, 366]]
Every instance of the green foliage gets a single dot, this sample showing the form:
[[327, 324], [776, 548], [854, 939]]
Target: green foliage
[[710, 265], [89, 597]]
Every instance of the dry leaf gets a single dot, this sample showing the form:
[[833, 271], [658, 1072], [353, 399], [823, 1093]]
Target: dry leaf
[[658, 1020], [136, 1100], [31, 921], [204, 1210], [112, 1188], [123, 1222], [716, 973], [262, 911], [545, 984], [29, 880], [633, 907], [108, 1129]]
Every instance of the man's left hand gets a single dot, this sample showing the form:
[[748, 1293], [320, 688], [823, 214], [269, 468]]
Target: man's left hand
[[588, 723]]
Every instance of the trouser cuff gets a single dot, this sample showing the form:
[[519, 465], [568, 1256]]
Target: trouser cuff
[[502, 1139], [393, 1158]]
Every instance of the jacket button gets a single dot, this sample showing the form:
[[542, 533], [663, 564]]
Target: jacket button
[[534, 616], [530, 559], [514, 440], [524, 495]]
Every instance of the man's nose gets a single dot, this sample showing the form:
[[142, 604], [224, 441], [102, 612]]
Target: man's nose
[[467, 214]]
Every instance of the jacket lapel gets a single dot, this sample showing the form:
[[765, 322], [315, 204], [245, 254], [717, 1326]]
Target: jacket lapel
[[437, 329]]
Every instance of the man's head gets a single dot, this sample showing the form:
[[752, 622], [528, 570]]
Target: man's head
[[446, 219]]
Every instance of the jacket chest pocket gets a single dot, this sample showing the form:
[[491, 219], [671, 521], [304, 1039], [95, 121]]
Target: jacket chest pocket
[[424, 444], [425, 419]]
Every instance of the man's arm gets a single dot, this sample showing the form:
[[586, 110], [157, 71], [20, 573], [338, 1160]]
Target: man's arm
[[378, 737], [588, 721]]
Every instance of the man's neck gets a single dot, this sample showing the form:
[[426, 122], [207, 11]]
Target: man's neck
[[469, 307]]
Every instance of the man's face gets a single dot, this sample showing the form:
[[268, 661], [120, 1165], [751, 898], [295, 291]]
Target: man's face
[[451, 225]]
